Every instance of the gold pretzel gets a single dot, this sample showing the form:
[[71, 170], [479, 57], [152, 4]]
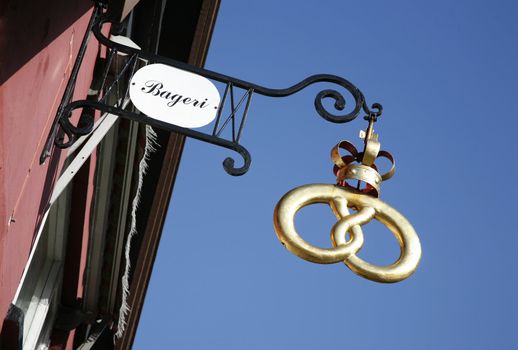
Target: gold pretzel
[[345, 250]]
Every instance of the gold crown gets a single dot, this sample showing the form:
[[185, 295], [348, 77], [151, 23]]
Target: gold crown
[[360, 166]]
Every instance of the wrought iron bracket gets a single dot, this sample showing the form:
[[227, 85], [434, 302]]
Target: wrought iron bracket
[[63, 133]]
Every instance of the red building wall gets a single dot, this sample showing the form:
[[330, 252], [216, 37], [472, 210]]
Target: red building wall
[[39, 41]]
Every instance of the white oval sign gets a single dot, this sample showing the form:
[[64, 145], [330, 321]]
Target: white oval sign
[[174, 96]]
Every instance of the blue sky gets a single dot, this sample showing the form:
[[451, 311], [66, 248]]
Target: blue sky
[[446, 73]]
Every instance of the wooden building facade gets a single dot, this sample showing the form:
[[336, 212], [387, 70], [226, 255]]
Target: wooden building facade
[[64, 224]]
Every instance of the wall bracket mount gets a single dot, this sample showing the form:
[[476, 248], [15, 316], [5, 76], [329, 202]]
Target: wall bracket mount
[[64, 133]]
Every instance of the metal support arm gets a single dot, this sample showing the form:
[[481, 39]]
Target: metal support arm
[[117, 90]]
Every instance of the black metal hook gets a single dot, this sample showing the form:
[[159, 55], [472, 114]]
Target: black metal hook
[[95, 26]]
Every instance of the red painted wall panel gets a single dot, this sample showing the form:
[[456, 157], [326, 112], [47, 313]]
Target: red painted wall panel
[[39, 41]]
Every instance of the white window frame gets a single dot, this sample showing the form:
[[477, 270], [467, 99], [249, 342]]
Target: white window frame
[[40, 310]]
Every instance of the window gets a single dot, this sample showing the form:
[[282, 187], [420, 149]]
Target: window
[[39, 292]]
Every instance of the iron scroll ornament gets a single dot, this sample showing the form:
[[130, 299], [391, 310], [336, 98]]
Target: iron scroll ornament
[[136, 57]]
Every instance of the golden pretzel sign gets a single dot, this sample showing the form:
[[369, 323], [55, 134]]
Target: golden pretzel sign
[[340, 198], [368, 208]]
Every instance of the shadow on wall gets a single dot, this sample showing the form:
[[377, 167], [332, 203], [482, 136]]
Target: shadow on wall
[[26, 27]]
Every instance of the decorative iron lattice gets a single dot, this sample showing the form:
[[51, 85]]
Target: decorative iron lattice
[[117, 89]]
